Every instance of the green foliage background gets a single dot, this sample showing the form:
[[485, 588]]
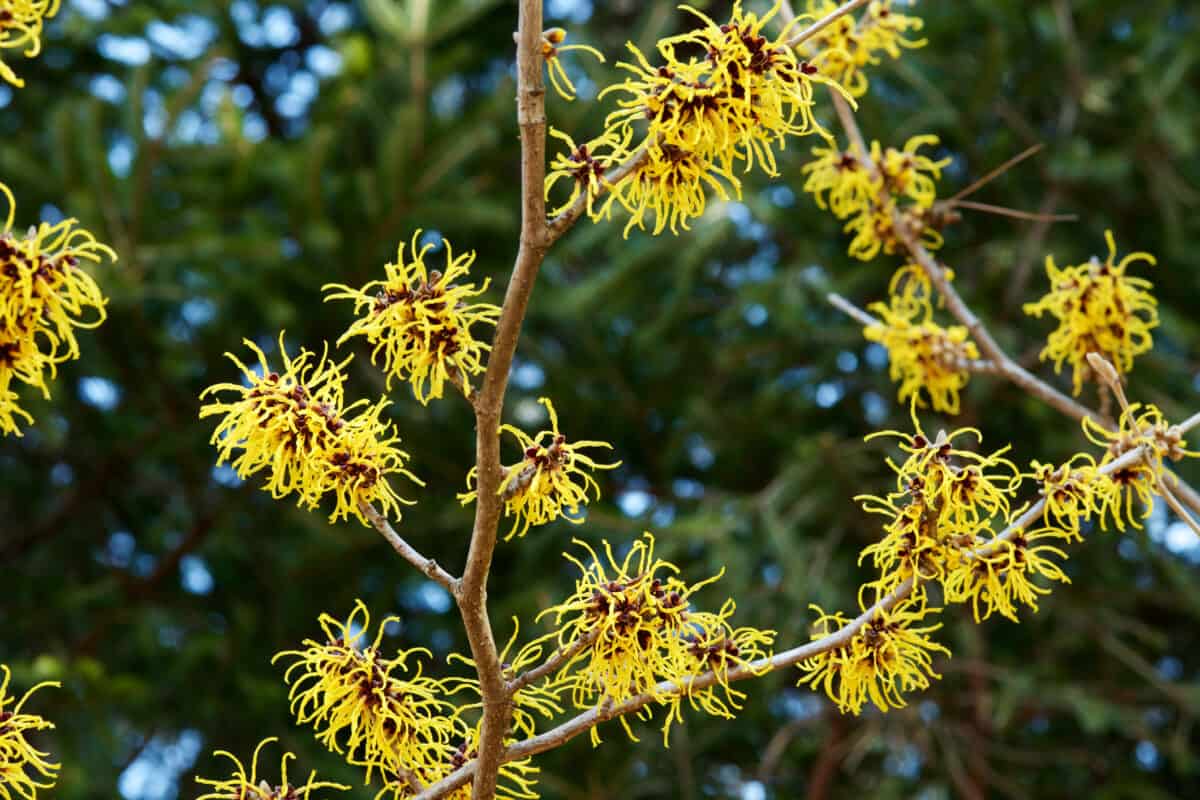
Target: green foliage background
[[245, 153]]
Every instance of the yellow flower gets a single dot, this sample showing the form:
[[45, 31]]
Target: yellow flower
[[840, 180], [279, 420], [923, 356], [1141, 426], [872, 191], [357, 463], [996, 578], [420, 321], [711, 644], [886, 658], [907, 173], [632, 628], [552, 48], [44, 297], [21, 29], [22, 766], [672, 185], [1099, 309], [1073, 491], [945, 501], [848, 45], [378, 711], [551, 481], [695, 120], [294, 426], [240, 786], [584, 167]]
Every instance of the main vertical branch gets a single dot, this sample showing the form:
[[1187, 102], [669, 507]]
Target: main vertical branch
[[472, 595]]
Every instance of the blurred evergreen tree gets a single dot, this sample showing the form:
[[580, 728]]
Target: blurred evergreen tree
[[240, 154]]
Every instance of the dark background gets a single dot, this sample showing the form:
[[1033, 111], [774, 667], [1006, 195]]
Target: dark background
[[239, 155]]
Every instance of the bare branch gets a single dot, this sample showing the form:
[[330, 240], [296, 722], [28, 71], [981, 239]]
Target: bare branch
[[427, 566], [1014, 213], [472, 595], [551, 664], [997, 172], [800, 38], [851, 310]]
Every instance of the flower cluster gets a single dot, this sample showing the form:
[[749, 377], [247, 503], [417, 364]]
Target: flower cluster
[[44, 296], [294, 425], [941, 528], [552, 479], [885, 658], [634, 619], [878, 191], [385, 715], [380, 712], [1099, 309], [552, 48], [240, 786], [21, 29], [1144, 427], [944, 505], [923, 355], [848, 46], [23, 768], [419, 321], [697, 119]]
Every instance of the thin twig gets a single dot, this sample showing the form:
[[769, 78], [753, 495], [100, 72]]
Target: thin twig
[[589, 719], [851, 310], [997, 172], [800, 38], [1003, 211], [427, 566], [551, 664]]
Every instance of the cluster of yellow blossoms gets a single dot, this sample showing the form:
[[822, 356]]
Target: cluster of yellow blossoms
[[384, 714], [549, 482], [941, 528], [420, 321], [21, 29], [295, 426], [878, 191], [44, 296], [628, 631], [848, 45], [690, 121], [640, 631], [23, 768], [1099, 309], [240, 786], [923, 356]]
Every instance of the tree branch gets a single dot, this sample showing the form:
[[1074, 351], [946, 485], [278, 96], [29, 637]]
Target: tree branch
[[472, 594], [589, 719], [563, 222], [1005, 366], [427, 566], [551, 664], [788, 14], [863, 318]]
